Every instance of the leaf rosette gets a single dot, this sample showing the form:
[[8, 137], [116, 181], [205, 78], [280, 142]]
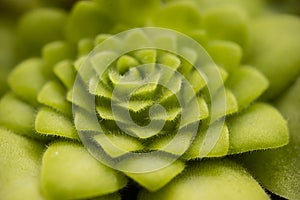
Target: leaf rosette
[[146, 103], [144, 91]]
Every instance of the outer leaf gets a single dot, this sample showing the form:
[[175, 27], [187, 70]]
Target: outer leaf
[[21, 79], [226, 54], [156, 179], [20, 160], [227, 23], [220, 148], [54, 52], [274, 48], [118, 144], [247, 84], [129, 10], [50, 122], [70, 172], [7, 55], [213, 180], [279, 169], [16, 115], [185, 17], [65, 71], [258, 127], [53, 95], [37, 28], [91, 20]]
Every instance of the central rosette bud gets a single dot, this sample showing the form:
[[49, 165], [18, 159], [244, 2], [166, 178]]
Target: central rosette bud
[[139, 98], [145, 96]]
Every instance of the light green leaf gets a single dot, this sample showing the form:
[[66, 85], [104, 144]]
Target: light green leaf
[[66, 73], [185, 17], [224, 103], [53, 94], [197, 148], [54, 52], [211, 180], [169, 60], [279, 169], [259, 127], [146, 56], [274, 46], [77, 173], [247, 84], [20, 160], [27, 79], [50, 122], [155, 180], [135, 40], [85, 46], [126, 62], [37, 28], [131, 8], [196, 80], [98, 88], [17, 115], [175, 142], [226, 54], [227, 23], [118, 144], [91, 20]]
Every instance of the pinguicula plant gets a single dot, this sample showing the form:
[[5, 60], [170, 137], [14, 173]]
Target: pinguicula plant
[[152, 99]]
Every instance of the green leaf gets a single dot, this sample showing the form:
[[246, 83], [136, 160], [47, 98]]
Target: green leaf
[[66, 73], [253, 8], [279, 169], [17, 115], [99, 88], [130, 9], [247, 84], [55, 52], [126, 62], [7, 53], [157, 179], [274, 46], [224, 103], [213, 180], [135, 40], [77, 173], [27, 79], [196, 80], [37, 28], [85, 46], [169, 60], [86, 21], [185, 17], [174, 142], [226, 54], [259, 127], [198, 148], [146, 56], [79, 96], [100, 61], [50, 122], [85, 121], [166, 42], [118, 144], [53, 95], [227, 23], [20, 160]]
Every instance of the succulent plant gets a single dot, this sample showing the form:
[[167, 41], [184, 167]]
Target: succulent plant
[[194, 107]]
